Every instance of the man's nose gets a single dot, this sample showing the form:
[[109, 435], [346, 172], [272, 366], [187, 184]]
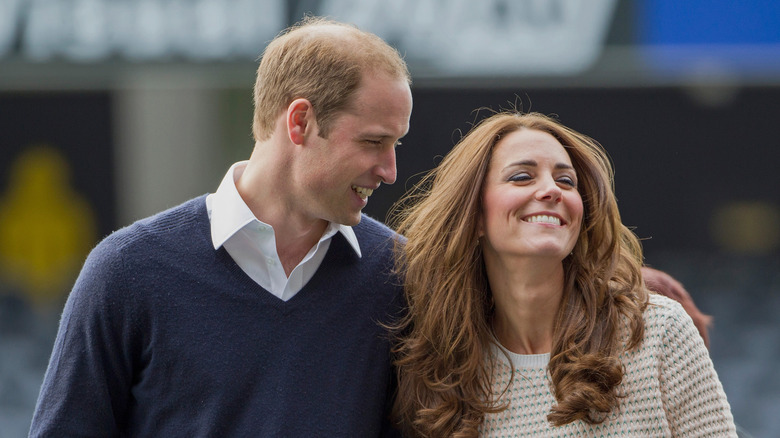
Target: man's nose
[[386, 169]]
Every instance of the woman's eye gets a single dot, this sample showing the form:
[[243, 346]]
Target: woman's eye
[[568, 181], [519, 177]]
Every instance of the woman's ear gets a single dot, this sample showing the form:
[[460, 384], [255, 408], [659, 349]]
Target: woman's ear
[[299, 116]]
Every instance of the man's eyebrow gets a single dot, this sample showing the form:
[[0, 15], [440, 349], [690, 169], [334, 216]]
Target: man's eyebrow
[[375, 134]]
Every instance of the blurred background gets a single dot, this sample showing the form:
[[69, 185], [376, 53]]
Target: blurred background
[[111, 110]]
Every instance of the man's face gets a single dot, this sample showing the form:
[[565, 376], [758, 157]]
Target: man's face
[[340, 172]]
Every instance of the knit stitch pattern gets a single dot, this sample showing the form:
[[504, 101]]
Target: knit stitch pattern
[[670, 388]]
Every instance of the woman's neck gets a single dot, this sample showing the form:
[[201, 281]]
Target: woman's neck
[[527, 302]]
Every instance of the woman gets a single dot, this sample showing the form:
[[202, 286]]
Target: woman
[[527, 310]]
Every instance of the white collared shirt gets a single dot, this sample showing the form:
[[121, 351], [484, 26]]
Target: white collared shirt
[[252, 243]]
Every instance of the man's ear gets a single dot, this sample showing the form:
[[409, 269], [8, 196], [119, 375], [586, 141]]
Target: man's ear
[[300, 116]]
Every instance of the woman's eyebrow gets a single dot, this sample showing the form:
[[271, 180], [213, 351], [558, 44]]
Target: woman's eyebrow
[[523, 163], [533, 163]]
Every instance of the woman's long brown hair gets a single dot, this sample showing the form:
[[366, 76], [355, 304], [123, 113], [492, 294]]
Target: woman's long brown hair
[[443, 353]]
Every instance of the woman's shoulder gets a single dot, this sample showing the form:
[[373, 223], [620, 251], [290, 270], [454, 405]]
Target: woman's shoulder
[[666, 318], [667, 328], [663, 307]]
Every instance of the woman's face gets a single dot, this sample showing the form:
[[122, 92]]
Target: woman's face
[[531, 206]]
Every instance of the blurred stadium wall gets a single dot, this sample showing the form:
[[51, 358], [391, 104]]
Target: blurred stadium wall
[[111, 110]]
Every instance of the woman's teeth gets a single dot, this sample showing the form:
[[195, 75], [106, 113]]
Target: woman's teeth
[[544, 219]]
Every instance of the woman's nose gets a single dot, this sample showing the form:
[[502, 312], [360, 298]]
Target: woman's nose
[[549, 191]]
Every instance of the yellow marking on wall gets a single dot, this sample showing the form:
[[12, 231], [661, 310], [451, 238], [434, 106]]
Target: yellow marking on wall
[[747, 227], [46, 228]]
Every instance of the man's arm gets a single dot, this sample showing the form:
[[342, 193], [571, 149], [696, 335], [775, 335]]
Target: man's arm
[[87, 383]]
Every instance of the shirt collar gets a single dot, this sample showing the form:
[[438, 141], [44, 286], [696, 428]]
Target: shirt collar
[[229, 213]]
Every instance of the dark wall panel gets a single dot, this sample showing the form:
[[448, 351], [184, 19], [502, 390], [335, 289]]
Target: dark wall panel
[[678, 159]]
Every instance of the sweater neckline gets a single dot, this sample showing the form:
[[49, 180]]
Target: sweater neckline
[[519, 360]]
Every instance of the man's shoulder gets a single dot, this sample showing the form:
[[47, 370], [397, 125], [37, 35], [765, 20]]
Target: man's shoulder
[[374, 228], [139, 258], [168, 225], [374, 234]]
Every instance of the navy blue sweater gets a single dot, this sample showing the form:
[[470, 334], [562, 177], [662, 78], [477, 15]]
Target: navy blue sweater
[[164, 336]]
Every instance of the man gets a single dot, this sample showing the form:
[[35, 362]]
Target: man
[[256, 310]]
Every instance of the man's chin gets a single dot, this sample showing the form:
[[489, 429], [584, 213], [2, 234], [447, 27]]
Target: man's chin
[[354, 220], [349, 220]]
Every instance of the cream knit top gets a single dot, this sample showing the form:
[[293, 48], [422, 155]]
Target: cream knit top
[[670, 384]]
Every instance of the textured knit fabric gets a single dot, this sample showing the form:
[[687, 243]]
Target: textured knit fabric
[[670, 387], [163, 336]]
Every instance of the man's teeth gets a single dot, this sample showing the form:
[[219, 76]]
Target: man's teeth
[[363, 192], [544, 219]]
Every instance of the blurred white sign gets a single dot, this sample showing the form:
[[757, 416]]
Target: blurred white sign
[[92, 30], [437, 37], [486, 37]]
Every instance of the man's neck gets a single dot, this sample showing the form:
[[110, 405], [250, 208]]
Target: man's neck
[[293, 245], [262, 187]]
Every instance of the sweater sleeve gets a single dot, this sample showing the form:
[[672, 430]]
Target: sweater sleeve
[[86, 387], [693, 396]]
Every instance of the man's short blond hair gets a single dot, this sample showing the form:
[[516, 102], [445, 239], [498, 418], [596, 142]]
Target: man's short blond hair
[[320, 60]]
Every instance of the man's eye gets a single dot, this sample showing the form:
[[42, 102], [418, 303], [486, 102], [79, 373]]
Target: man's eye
[[398, 143]]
